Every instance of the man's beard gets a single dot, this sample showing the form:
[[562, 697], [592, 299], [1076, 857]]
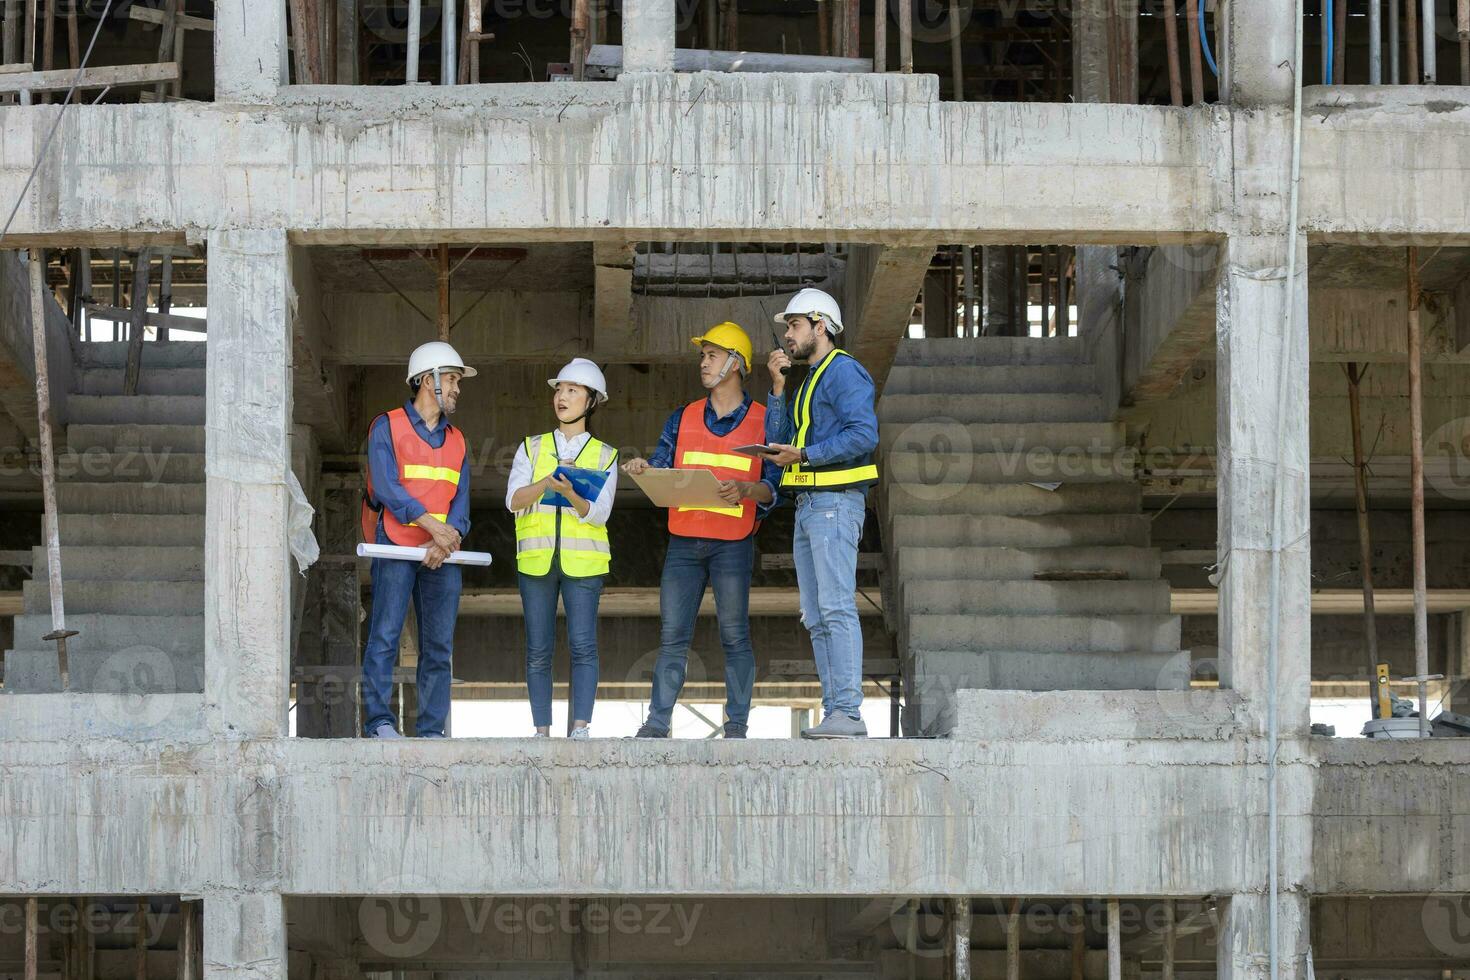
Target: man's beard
[[804, 353]]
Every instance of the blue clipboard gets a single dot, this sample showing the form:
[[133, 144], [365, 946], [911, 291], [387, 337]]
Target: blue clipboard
[[587, 483]]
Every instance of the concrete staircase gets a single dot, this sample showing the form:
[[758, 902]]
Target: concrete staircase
[[130, 492], [995, 582]]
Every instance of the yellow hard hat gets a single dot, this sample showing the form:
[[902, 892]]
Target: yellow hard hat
[[730, 337]]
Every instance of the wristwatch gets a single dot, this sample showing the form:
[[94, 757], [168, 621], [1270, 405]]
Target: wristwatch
[[803, 457]]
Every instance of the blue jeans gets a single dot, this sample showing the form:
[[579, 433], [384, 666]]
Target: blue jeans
[[580, 596], [689, 565], [435, 597], [828, 526]]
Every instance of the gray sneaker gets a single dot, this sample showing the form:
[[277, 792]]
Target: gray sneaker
[[837, 726], [581, 733], [386, 730]]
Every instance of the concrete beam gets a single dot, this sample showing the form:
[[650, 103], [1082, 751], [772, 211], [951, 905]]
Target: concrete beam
[[247, 615], [811, 817], [1169, 313], [882, 284], [1378, 165], [530, 162], [1369, 817]]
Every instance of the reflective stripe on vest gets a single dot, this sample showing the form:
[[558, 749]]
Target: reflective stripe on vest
[[583, 547], [430, 476], [804, 476], [699, 448]]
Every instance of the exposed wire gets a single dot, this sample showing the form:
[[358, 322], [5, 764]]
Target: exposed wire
[[1273, 624], [56, 123]]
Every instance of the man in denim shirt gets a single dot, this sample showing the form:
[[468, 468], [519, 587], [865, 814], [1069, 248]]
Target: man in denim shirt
[[712, 544], [825, 436], [418, 495]]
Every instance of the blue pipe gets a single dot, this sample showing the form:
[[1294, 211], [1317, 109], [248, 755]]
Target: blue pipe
[[1331, 43], [1204, 40]]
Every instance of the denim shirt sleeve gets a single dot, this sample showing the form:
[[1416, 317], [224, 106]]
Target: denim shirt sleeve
[[778, 426], [850, 397], [459, 507], [663, 456], [771, 477], [383, 465]]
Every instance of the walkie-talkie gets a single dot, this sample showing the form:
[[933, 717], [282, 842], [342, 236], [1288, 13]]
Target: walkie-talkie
[[779, 346], [795, 374]]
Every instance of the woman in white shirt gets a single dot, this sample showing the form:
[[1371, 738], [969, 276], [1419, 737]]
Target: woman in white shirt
[[561, 541]]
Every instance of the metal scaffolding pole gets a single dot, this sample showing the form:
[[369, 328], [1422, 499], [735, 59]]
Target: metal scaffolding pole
[[1416, 478], [415, 38], [449, 44], [1375, 42]]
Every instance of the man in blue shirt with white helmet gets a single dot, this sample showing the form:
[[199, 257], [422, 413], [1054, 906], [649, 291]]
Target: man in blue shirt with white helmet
[[825, 436]]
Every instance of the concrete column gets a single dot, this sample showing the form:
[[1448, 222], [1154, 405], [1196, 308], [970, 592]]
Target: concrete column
[[244, 935], [249, 50], [648, 35], [247, 613], [1251, 293], [1243, 952], [1256, 58]]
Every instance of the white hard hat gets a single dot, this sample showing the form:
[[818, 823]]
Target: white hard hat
[[580, 371], [813, 303], [437, 354]]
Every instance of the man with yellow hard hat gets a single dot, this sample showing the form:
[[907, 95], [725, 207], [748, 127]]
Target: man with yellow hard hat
[[712, 545]]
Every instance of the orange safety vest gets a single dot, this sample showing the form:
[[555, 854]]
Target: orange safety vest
[[431, 476], [699, 448]]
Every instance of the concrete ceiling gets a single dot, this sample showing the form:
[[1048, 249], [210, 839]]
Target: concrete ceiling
[[556, 267], [1384, 267]]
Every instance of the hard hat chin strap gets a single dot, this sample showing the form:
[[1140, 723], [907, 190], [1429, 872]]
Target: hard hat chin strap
[[439, 392], [731, 359]]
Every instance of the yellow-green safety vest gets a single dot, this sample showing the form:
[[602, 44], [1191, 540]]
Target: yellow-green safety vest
[[804, 476], [541, 528]]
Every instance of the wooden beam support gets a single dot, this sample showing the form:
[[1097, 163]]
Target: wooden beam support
[[163, 321], [643, 601], [1335, 602], [31, 938], [111, 76], [149, 15], [137, 322], [166, 40], [306, 44]]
